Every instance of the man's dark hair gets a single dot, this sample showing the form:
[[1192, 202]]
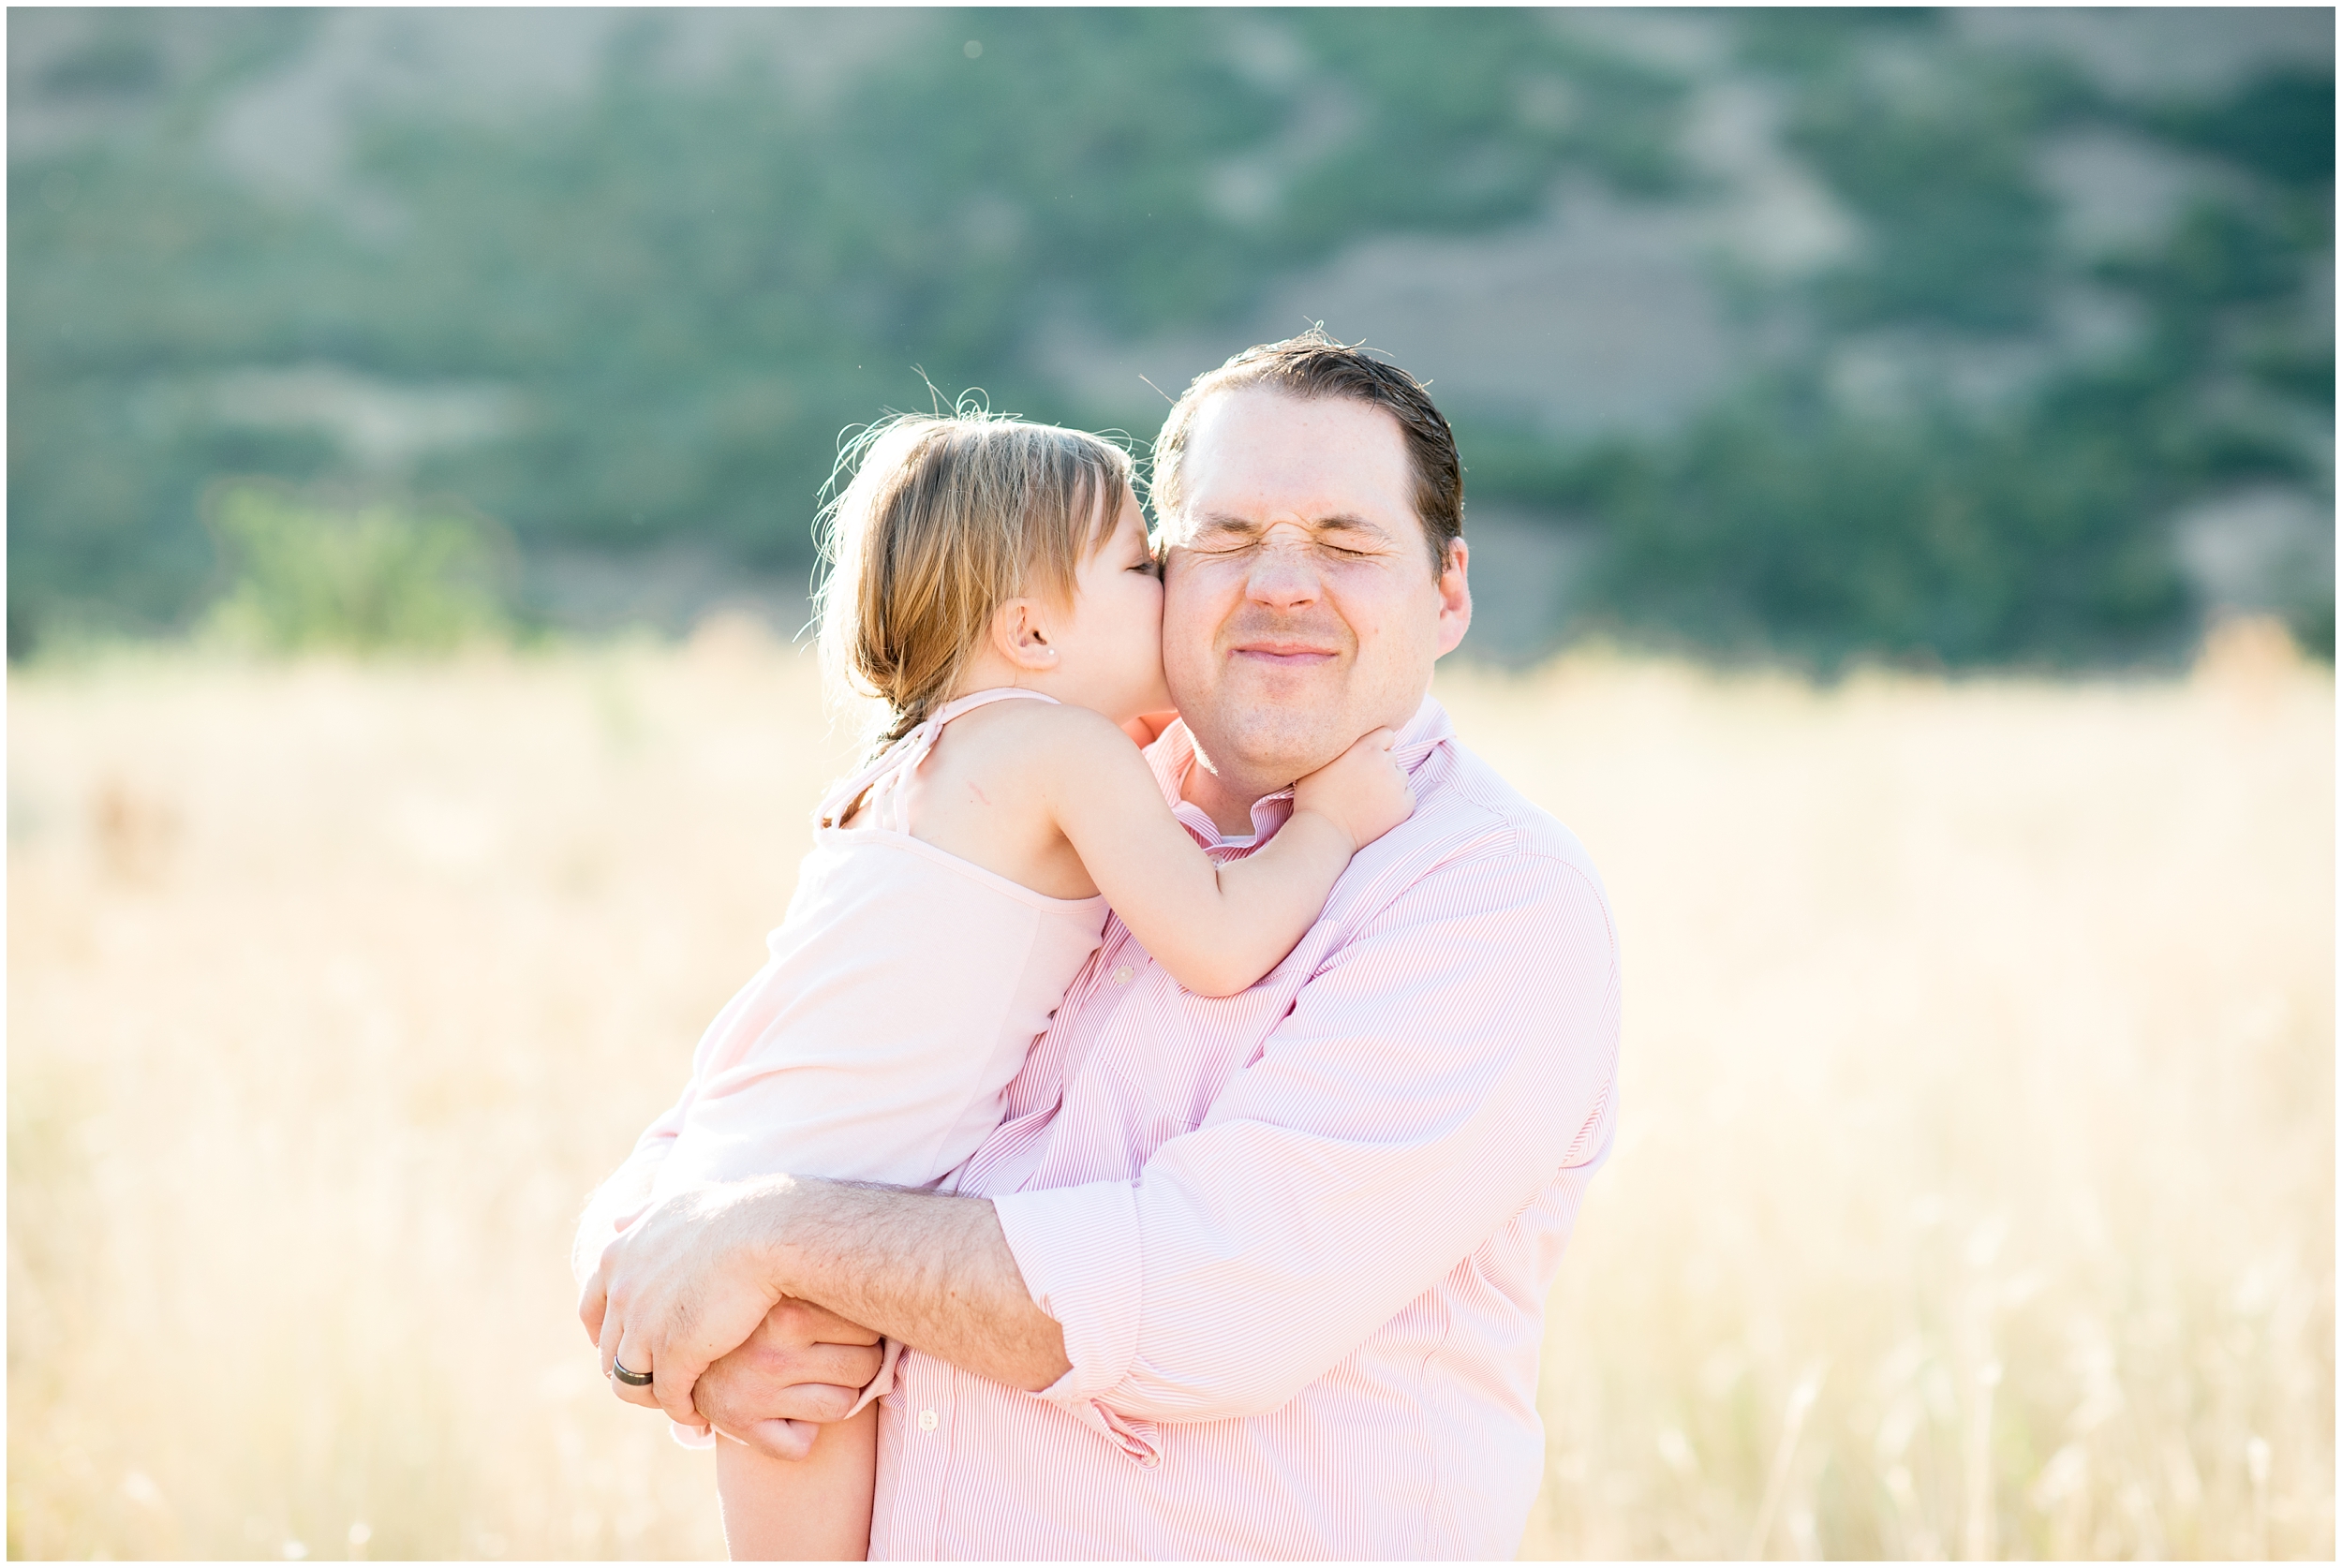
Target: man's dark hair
[[1314, 365]]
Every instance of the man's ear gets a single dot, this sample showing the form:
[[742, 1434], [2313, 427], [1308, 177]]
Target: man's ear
[[1022, 633], [1455, 597]]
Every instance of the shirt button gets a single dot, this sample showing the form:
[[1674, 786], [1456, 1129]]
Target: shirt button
[[1121, 974], [1150, 1461], [926, 1420]]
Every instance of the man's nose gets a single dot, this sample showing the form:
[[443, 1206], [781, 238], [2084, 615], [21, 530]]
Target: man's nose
[[1284, 573]]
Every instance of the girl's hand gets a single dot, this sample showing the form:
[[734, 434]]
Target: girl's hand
[[1362, 791]]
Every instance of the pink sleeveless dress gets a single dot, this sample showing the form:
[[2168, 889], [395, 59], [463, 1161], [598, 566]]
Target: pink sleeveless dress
[[904, 987]]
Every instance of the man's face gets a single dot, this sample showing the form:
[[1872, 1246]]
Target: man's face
[[1300, 607]]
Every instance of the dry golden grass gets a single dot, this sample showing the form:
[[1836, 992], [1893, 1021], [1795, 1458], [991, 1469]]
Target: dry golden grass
[[1974, 1192]]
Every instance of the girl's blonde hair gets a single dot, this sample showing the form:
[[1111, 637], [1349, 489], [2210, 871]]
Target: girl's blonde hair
[[946, 519]]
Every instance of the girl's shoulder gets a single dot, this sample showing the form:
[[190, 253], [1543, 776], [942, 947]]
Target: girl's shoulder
[[1020, 731]]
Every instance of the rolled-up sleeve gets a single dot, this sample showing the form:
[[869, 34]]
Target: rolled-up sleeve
[[1441, 1069], [1084, 1249]]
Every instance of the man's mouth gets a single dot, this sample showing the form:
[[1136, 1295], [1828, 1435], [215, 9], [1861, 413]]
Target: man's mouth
[[1280, 653]]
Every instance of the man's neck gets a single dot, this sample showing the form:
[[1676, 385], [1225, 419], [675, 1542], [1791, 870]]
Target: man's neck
[[1227, 786], [1228, 801]]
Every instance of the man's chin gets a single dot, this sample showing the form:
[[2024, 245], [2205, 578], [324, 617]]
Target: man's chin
[[1298, 683], [1276, 740]]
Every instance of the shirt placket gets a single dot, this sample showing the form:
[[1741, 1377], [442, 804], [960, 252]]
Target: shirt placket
[[927, 1390]]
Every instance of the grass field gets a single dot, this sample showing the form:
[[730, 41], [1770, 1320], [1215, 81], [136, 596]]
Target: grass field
[[1974, 1194]]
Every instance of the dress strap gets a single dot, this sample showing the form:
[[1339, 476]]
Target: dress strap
[[883, 777]]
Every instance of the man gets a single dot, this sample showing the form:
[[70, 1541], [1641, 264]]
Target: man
[[1256, 1277]]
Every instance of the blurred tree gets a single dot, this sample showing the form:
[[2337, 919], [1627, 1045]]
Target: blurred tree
[[2280, 126], [684, 288], [1797, 522], [695, 287]]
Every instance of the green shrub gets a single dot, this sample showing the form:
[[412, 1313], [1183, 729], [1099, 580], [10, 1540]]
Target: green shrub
[[306, 573]]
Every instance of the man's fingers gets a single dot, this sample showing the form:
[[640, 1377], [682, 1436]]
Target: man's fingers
[[847, 1365], [815, 1402], [617, 1351], [606, 1338], [730, 1397], [593, 1304], [672, 1381]]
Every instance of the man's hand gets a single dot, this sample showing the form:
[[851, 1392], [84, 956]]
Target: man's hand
[[687, 1282], [804, 1365], [694, 1277]]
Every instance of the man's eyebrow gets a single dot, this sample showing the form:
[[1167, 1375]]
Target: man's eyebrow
[[1341, 522]]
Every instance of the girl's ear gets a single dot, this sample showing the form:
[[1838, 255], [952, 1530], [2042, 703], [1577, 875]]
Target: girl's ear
[[1020, 631]]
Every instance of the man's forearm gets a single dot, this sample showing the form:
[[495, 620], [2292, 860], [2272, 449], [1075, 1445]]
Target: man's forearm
[[926, 1271]]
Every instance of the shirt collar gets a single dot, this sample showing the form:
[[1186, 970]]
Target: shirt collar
[[1173, 753]]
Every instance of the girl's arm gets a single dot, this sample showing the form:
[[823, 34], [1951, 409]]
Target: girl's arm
[[1217, 928]]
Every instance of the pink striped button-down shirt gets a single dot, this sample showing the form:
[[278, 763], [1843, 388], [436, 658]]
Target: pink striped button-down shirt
[[1299, 1240]]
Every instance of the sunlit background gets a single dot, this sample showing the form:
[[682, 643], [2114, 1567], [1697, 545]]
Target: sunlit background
[[1899, 455]]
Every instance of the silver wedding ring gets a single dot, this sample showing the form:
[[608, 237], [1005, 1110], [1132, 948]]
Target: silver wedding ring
[[633, 1379]]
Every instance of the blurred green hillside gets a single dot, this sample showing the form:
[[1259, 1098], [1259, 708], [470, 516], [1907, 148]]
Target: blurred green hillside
[[1984, 336]]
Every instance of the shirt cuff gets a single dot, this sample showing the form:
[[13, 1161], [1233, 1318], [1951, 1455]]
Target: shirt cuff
[[1077, 1248]]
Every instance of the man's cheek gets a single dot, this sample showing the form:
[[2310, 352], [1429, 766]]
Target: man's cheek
[[1187, 680], [1179, 609], [1188, 650]]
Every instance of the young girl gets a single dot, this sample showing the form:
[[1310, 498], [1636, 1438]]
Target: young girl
[[991, 582]]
